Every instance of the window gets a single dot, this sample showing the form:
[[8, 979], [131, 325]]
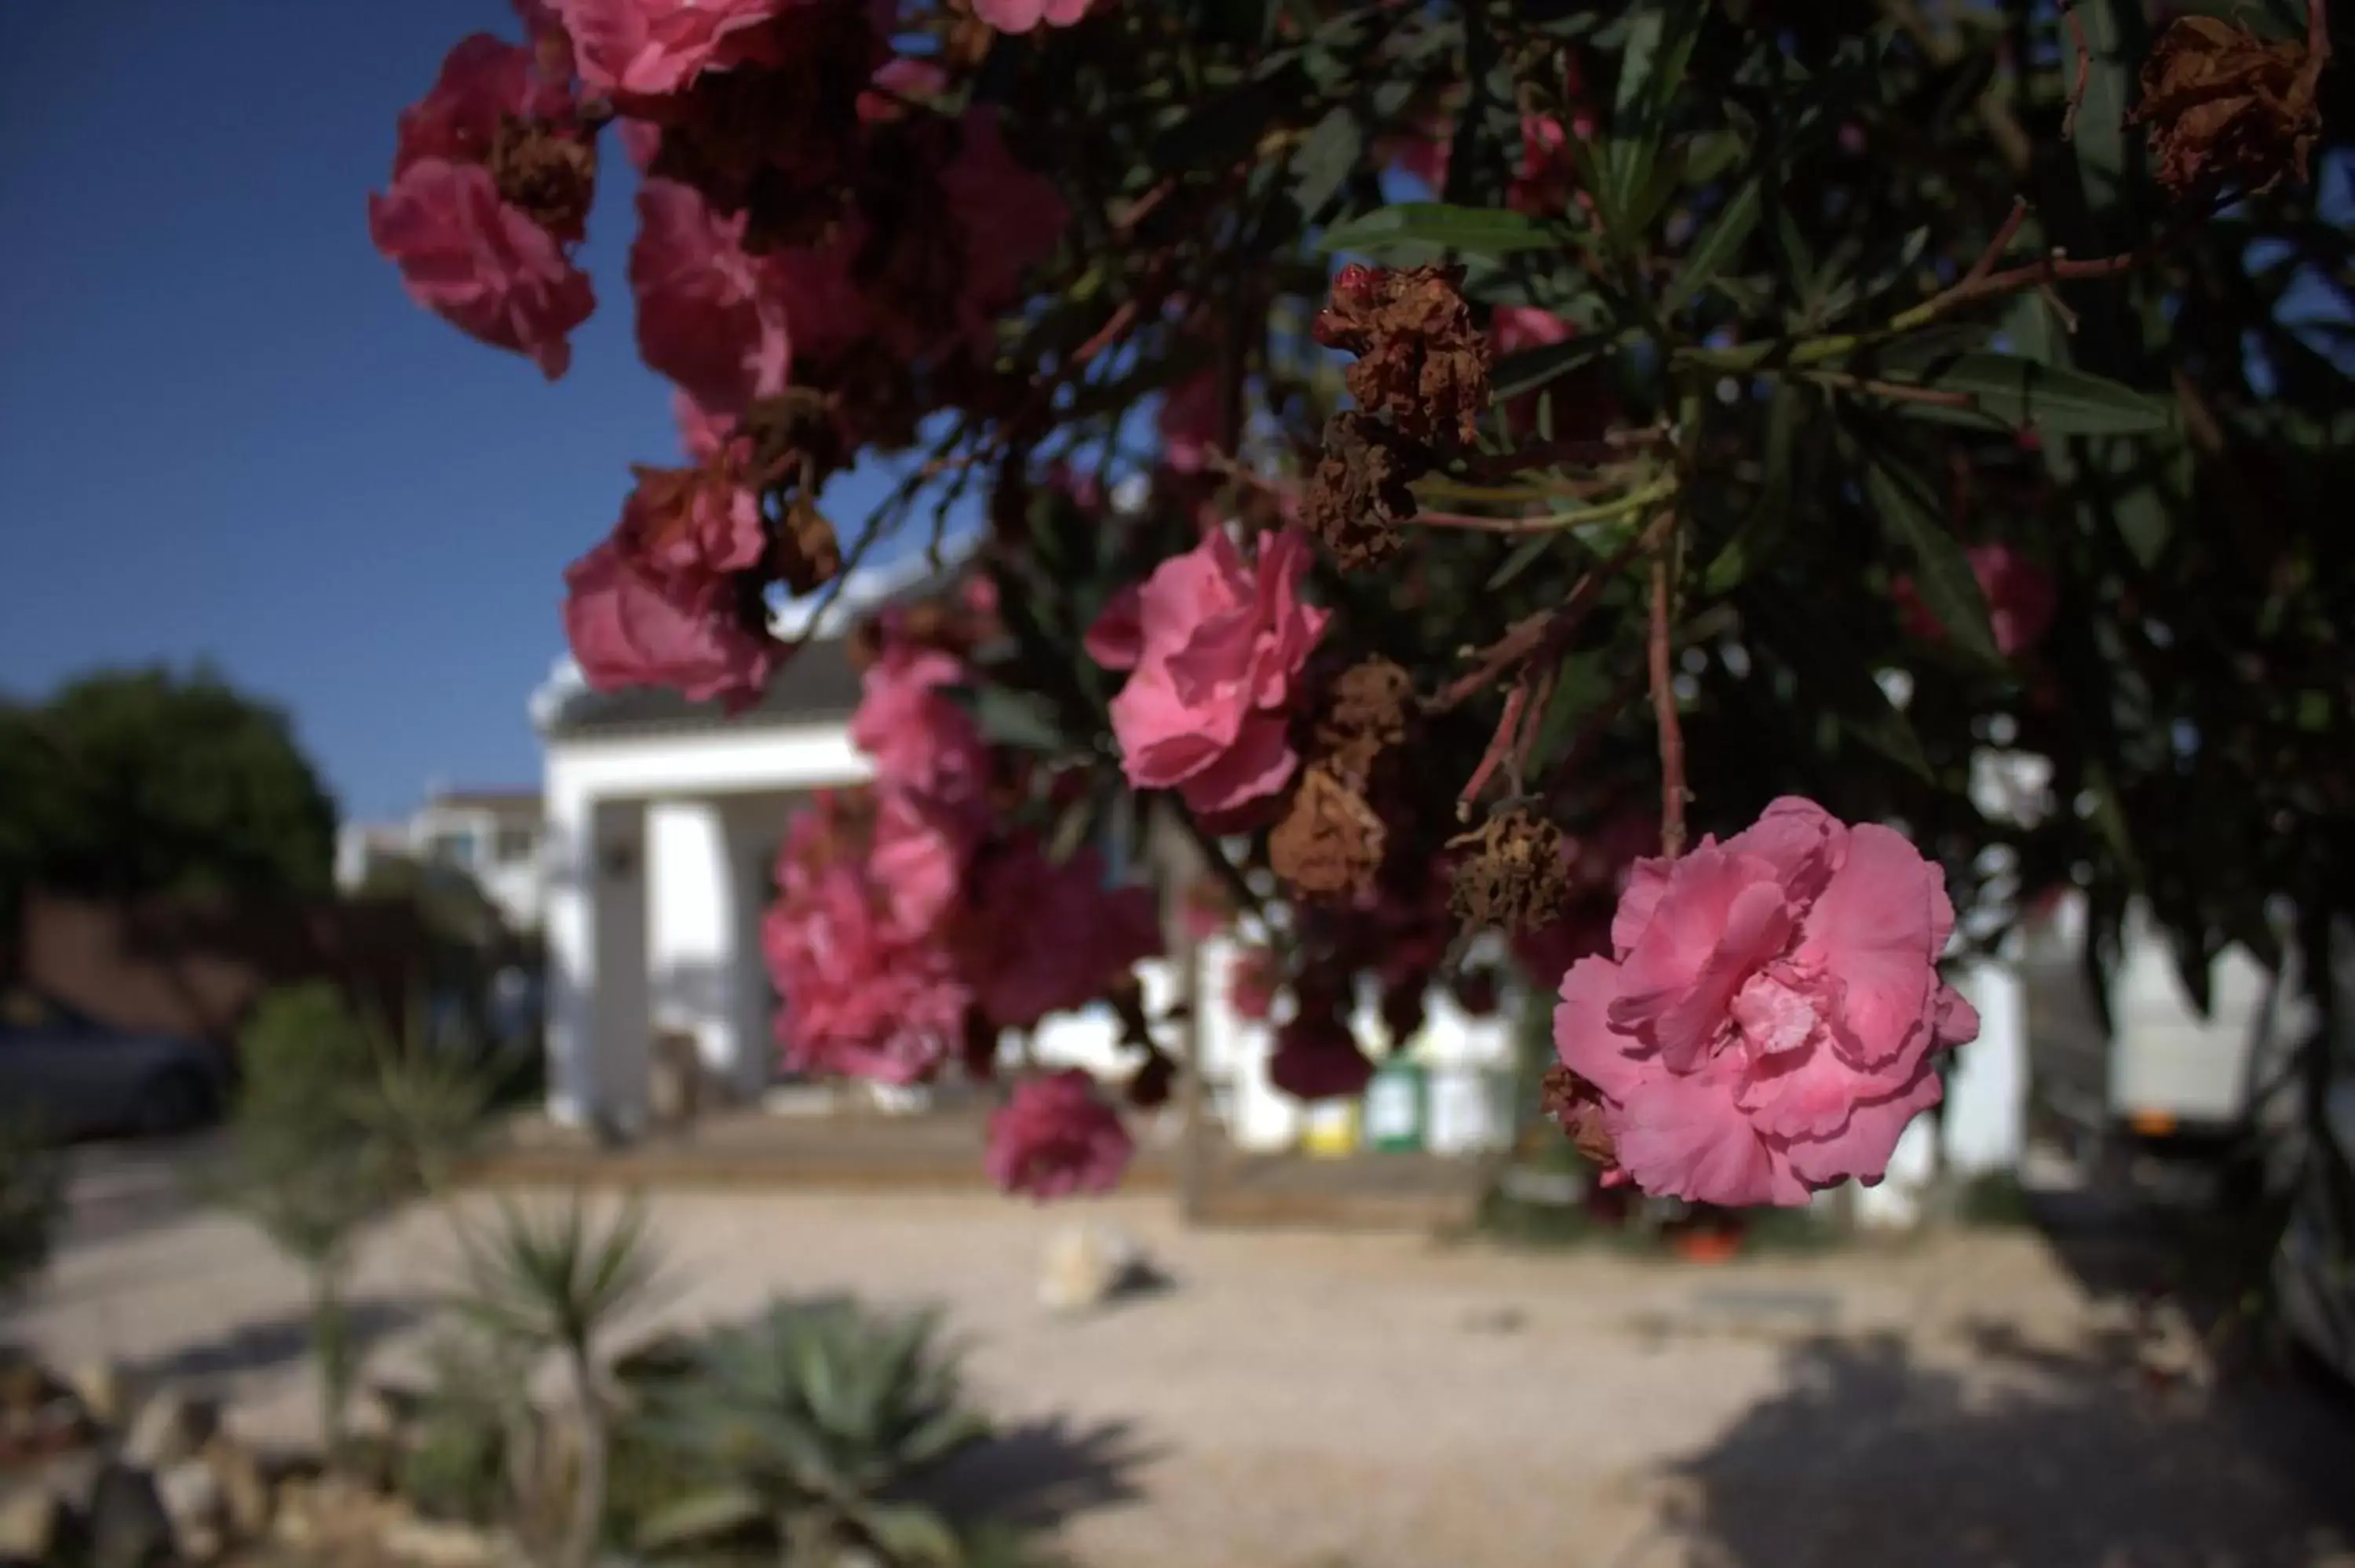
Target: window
[[515, 845], [452, 849]]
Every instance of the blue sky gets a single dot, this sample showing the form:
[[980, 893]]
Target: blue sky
[[224, 430]]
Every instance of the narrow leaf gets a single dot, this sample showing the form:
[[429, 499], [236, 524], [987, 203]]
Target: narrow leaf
[[1324, 161], [1525, 554], [1942, 573], [1531, 368], [701, 1518], [2020, 392], [1716, 245], [1473, 231]]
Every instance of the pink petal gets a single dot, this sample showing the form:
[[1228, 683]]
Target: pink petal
[[1682, 1138], [1862, 1146], [1583, 1038], [1872, 929]]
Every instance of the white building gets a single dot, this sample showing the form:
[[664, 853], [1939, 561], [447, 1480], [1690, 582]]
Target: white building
[[664, 822], [665, 819], [495, 836]]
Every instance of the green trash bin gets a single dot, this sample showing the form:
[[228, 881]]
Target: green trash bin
[[1398, 1108]]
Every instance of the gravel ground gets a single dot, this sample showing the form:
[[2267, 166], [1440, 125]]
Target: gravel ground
[[1311, 1400]]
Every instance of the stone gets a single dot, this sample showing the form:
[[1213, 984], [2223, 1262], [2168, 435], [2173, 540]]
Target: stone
[[129, 1526], [191, 1494], [32, 1518], [244, 1490], [1087, 1265], [99, 1385], [172, 1425]]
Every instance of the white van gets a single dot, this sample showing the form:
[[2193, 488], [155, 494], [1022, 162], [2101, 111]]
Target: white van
[[2165, 1072]]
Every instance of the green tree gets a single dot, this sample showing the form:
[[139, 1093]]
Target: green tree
[[136, 781]]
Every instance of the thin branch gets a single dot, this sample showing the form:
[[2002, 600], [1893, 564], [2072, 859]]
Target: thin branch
[[2318, 46], [1517, 765], [1664, 712], [1555, 522], [1896, 391], [2004, 235], [1548, 630], [1597, 726], [2085, 69], [1501, 745]]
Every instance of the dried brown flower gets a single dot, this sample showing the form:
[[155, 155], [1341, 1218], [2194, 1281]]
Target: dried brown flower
[[1514, 878], [795, 438], [1577, 1106], [549, 175], [804, 554], [777, 143], [1149, 1086], [1329, 841], [1420, 359], [1359, 497], [1405, 1008], [2223, 104], [1365, 716]]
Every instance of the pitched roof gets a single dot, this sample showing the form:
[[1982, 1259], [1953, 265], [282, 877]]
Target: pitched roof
[[521, 797], [815, 685]]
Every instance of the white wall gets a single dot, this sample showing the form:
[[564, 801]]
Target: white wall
[[675, 940]]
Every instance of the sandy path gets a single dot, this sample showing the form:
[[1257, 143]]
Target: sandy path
[[1304, 1401]]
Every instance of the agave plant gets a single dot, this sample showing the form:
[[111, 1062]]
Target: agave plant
[[809, 1422]]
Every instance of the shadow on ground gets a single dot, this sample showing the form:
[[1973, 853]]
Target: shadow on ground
[[267, 1344], [1038, 1474], [1871, 1458]]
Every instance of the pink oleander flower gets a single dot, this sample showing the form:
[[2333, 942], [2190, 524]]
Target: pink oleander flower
[[1189, 423], [697, 521], [482, 80], [1047, 939], [710, 315], [632, 627], [1021, 15], [1771, 1016], [920, 857], [863, 995], [480, 264], [1055, 1136], [1219, 649], [897, 82], [816, 290], [641, 142], [649, 48], [551, 46], [702, 434], [1009, 218], [2020, 599], [1316, 1058], [1516, 327], [922, 741], [1115, 638]]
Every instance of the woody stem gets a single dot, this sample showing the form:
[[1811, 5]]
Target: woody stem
[[1500, 746], [1664, 712]]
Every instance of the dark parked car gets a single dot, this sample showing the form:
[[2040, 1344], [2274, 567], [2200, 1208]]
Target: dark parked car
[[71, 1076]]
